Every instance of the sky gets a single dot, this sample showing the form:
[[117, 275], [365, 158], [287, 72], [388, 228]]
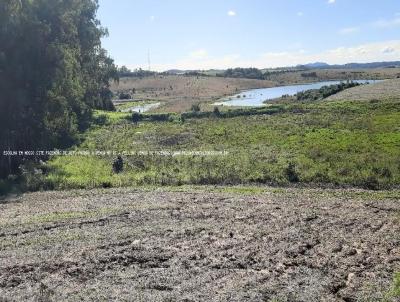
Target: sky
[[220, 34]]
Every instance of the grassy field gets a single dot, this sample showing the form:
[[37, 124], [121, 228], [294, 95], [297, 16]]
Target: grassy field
[[201, 244], [340, 143], [378, 91]]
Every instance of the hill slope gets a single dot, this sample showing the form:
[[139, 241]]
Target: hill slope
[[378, 91]]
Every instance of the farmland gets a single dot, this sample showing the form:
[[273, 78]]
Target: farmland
[[200, 243], [239, 152]]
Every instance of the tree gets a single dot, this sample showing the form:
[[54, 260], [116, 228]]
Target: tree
[[53, 72]]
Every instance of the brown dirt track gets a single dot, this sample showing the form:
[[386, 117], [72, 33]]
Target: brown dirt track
[[202, 245]]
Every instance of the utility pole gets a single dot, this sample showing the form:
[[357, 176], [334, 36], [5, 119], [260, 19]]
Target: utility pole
[[148, 59]]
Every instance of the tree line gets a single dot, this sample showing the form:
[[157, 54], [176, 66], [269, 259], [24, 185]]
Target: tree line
[[53, 72], [124, 71], [324, 91], [255, 73]]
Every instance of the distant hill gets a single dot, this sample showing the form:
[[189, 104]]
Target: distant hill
[[315, 65], [320, 65]]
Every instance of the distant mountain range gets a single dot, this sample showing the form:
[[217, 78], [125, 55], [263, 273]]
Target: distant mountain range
[[321, 65], [315, 65]]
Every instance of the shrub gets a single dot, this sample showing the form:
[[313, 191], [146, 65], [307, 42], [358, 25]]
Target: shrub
[[371, 183], [124, 96], [136, 117], [291, 173], [195, 108], [118, 165]]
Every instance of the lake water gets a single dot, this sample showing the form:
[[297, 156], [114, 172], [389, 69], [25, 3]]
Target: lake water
[[142, 108], [257, 97]]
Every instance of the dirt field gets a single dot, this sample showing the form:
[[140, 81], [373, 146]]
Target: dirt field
[[180, 92], [378, 91], [274, 245]]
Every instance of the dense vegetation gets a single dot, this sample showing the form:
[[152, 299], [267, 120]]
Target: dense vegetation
[[332, 143], [249, 73], [53, 71], [324, 92], [124, 71], [255, 73]]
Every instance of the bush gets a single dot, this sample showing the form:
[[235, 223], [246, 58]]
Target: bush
[[195, 108], [5, 187], [309, 74], [291, 174], [136, 117], [33, 177], [125, 96], [118, 165], [371, 183]]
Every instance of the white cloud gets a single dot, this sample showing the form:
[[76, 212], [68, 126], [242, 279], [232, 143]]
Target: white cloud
[[152, 18], [231, 13], [387, 23], [388, 50], [349, 30], [300, 14], [331, 1], [372, 52], [199, 54]]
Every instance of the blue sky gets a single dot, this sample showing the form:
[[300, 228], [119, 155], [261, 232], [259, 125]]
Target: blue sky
[[190, 34]]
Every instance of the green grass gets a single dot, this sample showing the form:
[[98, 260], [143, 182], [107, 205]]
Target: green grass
[[109, 117], [127, 105], [332, 143]]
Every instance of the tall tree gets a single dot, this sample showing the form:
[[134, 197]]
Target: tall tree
[[53, 72]]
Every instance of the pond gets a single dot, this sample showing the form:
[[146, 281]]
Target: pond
[[140, 107], [257, 97]]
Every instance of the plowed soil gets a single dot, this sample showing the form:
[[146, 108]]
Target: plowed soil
[[201, 245]]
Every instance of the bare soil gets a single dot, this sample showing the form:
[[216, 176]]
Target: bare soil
[[204, 245]]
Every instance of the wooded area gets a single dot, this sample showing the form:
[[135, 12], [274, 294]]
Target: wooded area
[[53, 72]]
